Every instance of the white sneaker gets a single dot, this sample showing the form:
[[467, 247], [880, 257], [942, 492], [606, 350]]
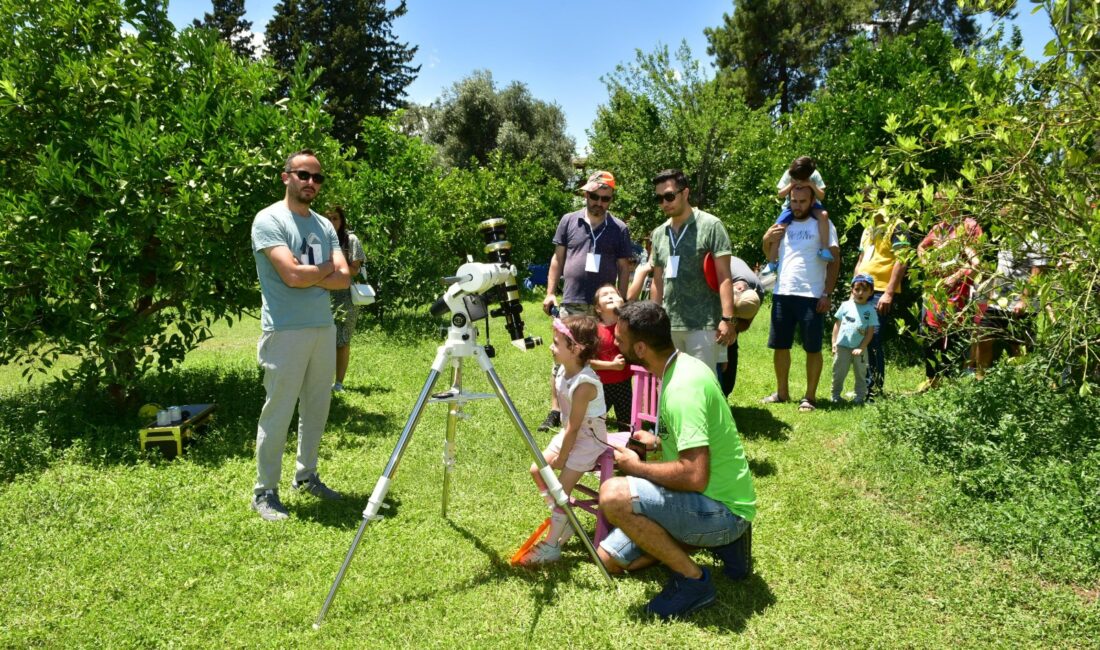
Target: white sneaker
[[337, 387], [541, 553]]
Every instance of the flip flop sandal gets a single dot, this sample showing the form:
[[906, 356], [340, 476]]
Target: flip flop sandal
[[806, 405], [774, 399]]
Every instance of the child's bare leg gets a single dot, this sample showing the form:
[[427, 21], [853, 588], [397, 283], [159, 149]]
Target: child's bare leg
[[558, 520], [539, 483]]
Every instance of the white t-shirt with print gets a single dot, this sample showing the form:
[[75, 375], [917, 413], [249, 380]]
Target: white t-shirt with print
[[801, 272]]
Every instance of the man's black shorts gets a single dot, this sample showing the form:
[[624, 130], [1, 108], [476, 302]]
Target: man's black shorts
[[789, 312]]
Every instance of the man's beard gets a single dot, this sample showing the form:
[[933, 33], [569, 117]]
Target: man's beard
[[302, 198], [629, 356]]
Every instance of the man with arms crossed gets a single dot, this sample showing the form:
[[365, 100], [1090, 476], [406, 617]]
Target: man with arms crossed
[[803, 285], [700, 494], [298, 260]]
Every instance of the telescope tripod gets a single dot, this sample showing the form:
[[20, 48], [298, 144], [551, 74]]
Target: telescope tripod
[[461, 343]]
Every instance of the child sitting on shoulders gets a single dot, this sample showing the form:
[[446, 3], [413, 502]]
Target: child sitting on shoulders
[[856, 320], [803, 171], [575, 449], [609, 363]]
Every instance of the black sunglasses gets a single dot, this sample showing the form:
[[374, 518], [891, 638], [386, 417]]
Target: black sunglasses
[[592, 196], [667, 197], [304, 176]]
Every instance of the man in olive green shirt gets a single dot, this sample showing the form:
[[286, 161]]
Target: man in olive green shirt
[[702, 320]]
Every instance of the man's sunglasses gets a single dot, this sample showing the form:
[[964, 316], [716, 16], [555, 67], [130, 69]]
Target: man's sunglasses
[[304, 176], [667, 197], [600, 198]]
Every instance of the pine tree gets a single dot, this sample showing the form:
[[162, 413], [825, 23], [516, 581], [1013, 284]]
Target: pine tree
[[365, 69], [228, 20], [771, 48]]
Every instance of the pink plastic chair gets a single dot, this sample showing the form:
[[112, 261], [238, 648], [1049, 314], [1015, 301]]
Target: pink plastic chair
[[647, 393], [643, 409], [604, 469]]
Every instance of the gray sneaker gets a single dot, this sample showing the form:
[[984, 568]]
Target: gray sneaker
[[269, 507], [313, 485]]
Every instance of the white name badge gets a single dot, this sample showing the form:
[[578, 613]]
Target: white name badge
[[673, 266], [592, 263]]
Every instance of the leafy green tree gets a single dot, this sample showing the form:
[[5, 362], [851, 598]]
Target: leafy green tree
[[132, 181], [773, 49], [848, 116], [418, 220], [900, 17], [1026, 137], [228, 20], [664, 112], [473, 120], [364, 67]]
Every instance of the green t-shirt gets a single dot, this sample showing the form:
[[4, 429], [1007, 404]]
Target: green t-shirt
[[693, 413], [312, 240], [688, 299]]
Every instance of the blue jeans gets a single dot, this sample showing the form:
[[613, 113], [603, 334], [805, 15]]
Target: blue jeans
[[689, 517], [876, 355]]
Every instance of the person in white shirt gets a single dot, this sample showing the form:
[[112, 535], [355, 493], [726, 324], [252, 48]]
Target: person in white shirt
[[803, 285]]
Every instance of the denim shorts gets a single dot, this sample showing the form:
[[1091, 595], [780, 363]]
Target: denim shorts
[[689, 517]]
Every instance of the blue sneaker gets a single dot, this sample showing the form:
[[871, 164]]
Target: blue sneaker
[[825, 254], [683, 596], [736, 556]]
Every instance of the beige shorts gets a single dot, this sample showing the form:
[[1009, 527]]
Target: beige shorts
[[591, 442]]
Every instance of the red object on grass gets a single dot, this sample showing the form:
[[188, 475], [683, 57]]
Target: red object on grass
[[534, 538]]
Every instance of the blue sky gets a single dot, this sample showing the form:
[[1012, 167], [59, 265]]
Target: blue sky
[[559, 49]]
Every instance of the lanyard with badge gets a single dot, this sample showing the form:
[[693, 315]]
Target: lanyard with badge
[[673, 259], [657, 425], [592, 260]]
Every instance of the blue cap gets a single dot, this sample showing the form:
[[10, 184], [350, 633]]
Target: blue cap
[[863, 277]]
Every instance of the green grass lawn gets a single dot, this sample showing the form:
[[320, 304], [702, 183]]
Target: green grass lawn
[[107, 548]]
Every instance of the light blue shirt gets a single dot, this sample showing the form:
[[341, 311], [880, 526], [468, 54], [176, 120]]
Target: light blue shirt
[[311, 240], [854, 321]]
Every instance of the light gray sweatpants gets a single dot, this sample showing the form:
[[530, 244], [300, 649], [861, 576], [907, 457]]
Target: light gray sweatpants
[[298, 368], [841, 360]]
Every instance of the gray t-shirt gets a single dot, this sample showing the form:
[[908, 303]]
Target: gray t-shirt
[[312, 241], [739, 270], [612, 243]]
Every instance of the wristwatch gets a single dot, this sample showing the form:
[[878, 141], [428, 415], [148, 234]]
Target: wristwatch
[[727, 319]]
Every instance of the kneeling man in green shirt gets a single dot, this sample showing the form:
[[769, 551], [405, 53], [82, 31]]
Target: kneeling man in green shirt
[[699, 495]]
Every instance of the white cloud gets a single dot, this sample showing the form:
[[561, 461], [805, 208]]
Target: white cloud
[[259, 46]]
